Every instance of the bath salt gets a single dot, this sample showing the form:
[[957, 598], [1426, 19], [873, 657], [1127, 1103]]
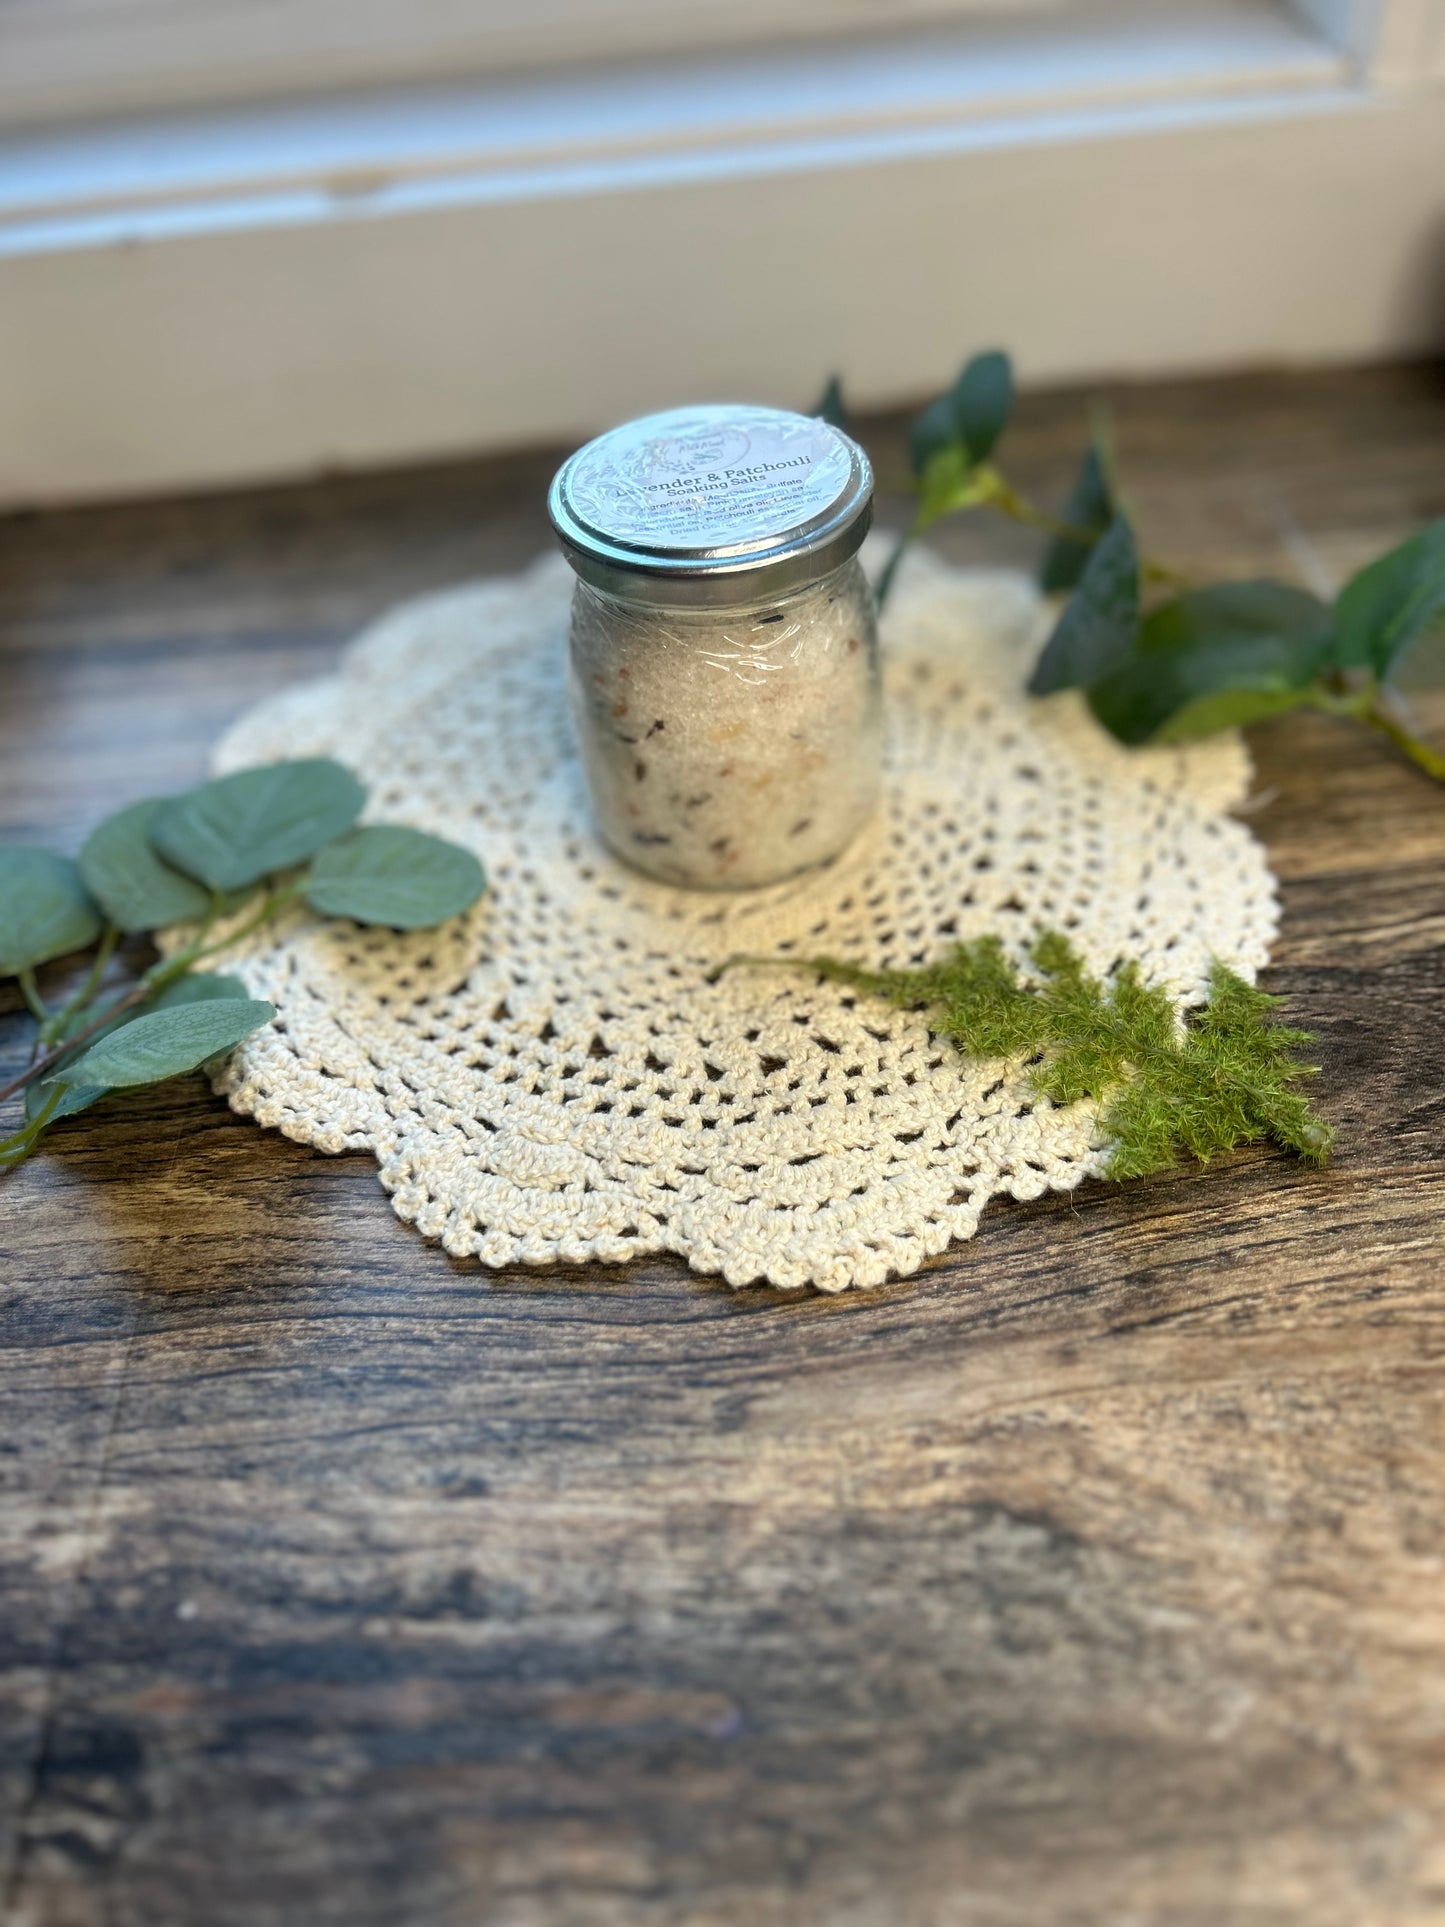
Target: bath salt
[[730, 747], [724, 655]]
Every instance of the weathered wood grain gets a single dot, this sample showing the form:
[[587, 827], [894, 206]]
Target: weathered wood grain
[[1097, 1575]]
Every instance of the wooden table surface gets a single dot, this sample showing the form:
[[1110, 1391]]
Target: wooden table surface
[[1094, 1575]]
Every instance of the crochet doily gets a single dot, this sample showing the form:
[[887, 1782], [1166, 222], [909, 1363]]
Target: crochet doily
[[553, 1076]]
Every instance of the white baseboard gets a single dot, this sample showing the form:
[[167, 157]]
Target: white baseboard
[[210, 301]]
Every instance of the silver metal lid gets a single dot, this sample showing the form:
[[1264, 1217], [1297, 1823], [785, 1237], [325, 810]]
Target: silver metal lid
[[712, 505]]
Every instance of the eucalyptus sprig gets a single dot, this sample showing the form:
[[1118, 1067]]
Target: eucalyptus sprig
[[1159, 659], [219, 863], [1240, 651]]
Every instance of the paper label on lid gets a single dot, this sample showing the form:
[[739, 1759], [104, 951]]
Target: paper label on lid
[[709, 478]]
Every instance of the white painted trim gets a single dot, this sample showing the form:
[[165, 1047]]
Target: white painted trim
[[64, 59], [597, 131], [205, 301]]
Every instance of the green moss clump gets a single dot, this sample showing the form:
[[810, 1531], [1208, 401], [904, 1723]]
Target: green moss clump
[[1225, 1075]]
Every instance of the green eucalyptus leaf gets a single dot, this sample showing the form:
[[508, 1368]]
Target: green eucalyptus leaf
[[72, 1099], [983, 398], [970, 418], [1177, 699], [130, 882], [1244, 613], [934, 432], [44, 909], [243, 827], [196, 987], [1091, 506], [1214, 659], [1392, 603], [1099, 627], [831, 407], [394, 876], [75, 1097], [163, 1043]]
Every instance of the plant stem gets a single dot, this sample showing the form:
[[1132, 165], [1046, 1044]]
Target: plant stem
[[55, 1027], [271, 906], [1420, 754], [1166, 577], [997, 492], [1008, 501], [33, 998], [156, 978], [890, 567], [137, 994], [15, 1149]]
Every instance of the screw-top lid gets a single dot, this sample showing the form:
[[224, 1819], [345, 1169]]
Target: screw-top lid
[[712, 505]]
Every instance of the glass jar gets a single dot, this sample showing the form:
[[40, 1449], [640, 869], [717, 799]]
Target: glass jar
[[724, 652]]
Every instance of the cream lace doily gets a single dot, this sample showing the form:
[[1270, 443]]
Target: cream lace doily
[[552, 1076]]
